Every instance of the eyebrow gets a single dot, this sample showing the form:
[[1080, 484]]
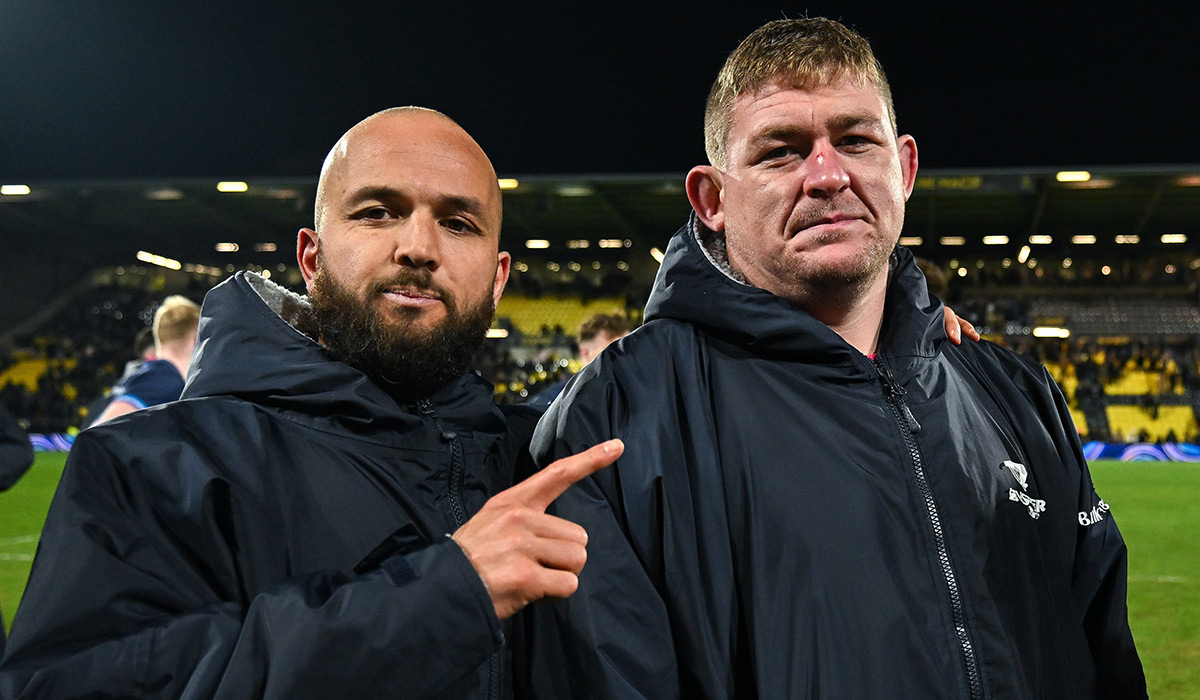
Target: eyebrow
[[849, 121]]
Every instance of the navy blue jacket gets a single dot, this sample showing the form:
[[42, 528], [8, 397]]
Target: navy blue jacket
[[279, 532], [16, 452], [791, 519], [16, 456]]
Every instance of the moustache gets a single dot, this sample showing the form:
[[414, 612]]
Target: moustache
[[818, 215], [420, 280]]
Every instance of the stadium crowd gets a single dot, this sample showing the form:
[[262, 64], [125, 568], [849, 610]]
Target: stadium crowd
[[81, 351]]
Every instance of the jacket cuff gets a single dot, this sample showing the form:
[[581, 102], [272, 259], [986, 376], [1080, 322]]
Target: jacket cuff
[[444, 566]]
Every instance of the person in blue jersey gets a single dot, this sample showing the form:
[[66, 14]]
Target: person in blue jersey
[[329, 511], [820, 497], [159, 379]]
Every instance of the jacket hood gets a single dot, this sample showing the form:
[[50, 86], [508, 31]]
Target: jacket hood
[[248, 346], [696, 286]]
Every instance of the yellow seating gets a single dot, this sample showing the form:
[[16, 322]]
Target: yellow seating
[[29, 370], [530, 315], [1127, 422], [25, 372], [1080, 421], [1139, 383]]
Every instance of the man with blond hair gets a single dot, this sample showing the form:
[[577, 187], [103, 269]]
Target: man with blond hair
[[821, 497], [160, 379]]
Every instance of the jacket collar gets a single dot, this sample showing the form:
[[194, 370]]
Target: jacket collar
[[696, 285], [249, 347]]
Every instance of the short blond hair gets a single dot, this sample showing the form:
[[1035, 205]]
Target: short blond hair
[[613, 325], [176, 319], [801, 53]]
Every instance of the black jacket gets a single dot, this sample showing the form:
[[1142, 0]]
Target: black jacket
[[791, 519], [16, 456], [16, 452], [280, 532]]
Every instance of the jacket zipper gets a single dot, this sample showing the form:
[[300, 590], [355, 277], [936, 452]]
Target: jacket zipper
[[459, 511], [894, 393]]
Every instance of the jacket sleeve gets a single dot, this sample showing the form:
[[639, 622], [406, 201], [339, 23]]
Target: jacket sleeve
[[612, 637], [118, 606], [1100, 574], [16, 452]]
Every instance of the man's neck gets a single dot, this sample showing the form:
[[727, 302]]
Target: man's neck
[[177, 357], [857, 318]]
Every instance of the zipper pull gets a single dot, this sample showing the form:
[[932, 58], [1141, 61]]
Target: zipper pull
[[895, 394], [913, 426], [425, 406]]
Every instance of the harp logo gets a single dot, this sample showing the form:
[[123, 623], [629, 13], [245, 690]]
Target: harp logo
[[1035, 506]]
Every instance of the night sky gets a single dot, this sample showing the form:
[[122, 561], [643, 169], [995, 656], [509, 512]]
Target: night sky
[[132, 89]]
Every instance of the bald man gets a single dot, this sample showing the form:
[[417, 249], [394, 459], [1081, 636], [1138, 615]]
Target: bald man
[[315, 520]]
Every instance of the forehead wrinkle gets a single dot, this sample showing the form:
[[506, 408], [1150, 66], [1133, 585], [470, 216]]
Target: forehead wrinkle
[[850, 120], [368, 193], [784, 132]]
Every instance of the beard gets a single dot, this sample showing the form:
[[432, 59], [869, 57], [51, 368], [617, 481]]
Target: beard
[[853, 270], [409, 361], [857, 269]]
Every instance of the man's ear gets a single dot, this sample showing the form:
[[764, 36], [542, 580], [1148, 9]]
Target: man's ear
[[503, 265], [308, 244], [907, 146], [705, 190]]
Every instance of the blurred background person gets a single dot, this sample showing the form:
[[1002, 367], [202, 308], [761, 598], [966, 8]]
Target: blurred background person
[[595, 334], [143, 351], [160, 379]]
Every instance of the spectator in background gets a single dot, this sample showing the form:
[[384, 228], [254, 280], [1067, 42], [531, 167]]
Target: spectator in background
[[595, 334], [935, 278], [143, 351], [16, 456], [160, 379]]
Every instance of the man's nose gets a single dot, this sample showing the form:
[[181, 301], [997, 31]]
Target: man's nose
[[825, 176], [417, 242]]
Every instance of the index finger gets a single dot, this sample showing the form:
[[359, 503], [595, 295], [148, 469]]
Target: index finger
[[540, 490]]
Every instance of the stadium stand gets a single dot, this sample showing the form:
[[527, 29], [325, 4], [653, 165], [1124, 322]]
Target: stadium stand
[[1130, 368], [539, 317]]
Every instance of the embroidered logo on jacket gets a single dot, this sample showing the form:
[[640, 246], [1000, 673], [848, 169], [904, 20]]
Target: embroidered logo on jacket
[[1095, 515], [1019, 473], [1036, 506]]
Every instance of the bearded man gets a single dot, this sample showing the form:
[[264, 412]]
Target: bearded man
[[284, 531]]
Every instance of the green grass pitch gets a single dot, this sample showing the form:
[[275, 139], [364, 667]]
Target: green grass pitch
[[1157, 505]]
